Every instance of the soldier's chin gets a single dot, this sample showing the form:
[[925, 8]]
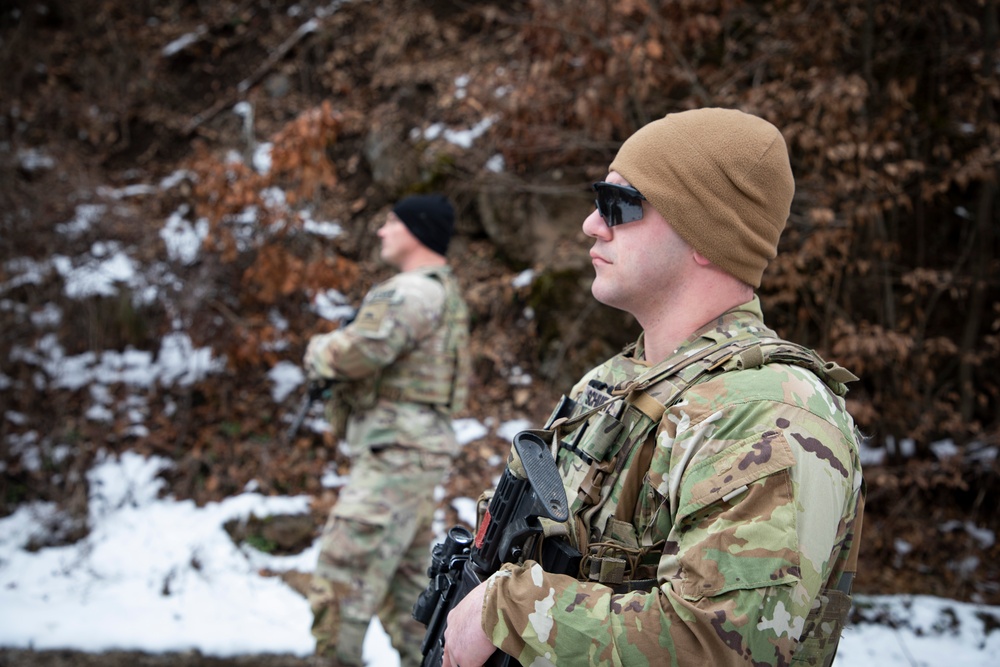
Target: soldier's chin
[[607, 296], [389, 258]]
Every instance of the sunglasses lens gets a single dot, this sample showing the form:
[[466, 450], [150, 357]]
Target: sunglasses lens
[[605, 209], [618, 204], [630, 210]]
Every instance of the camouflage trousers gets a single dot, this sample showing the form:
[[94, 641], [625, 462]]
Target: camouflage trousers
[[374, 554]]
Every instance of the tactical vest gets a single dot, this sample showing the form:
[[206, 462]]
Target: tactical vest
[[596, 444], [436, 371]]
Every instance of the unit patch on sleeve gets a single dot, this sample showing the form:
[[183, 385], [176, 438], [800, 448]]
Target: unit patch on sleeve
[[374, 310]]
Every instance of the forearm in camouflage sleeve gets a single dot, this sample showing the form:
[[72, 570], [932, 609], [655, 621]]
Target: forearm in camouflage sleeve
[[531, 615], [351, 355]]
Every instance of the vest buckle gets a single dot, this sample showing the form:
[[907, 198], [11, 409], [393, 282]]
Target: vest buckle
[[590, 488]]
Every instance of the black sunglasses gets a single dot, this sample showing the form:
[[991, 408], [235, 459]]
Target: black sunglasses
[[618, 204]]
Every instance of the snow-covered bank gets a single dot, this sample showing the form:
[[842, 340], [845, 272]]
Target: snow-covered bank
[[157, 575]]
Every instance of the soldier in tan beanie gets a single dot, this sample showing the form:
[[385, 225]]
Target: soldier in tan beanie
[[711, 468], [720, 178]]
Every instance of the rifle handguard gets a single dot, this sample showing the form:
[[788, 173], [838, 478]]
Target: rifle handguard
[[315, 392]]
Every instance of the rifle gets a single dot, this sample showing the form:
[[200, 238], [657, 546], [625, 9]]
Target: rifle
[[317, 388], [529, 489], [315, 391]]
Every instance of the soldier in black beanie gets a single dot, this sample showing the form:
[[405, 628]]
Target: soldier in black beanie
[[430, 218], [400, 372]]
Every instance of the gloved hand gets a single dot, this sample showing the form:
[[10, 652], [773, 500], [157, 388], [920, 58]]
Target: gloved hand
[[317, 358]]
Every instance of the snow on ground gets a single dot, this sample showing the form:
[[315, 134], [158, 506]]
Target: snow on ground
[[156, 574]]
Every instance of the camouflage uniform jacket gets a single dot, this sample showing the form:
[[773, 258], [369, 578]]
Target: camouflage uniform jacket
[[745, 513], [402, 364]]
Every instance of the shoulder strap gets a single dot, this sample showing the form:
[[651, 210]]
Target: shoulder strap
[[736, 354], [634, 391], [778, 351], [634, 477]]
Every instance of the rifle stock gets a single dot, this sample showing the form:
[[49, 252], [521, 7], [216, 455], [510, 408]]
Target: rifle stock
[[529, 489]]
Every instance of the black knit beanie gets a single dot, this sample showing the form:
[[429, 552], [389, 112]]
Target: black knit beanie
[[430, 218]]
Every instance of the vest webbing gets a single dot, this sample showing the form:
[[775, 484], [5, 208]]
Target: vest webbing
[[663, 385], [652, 393], [442, 360]]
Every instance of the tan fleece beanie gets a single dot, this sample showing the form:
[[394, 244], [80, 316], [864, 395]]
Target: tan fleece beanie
[[721, 178]]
